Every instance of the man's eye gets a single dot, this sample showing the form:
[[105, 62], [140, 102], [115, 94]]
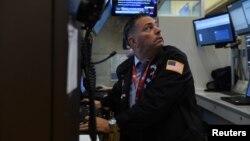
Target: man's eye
[[149, 28]]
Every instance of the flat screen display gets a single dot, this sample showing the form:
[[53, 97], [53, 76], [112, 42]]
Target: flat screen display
[[240, 14], [103, 19], [214, 30], [73, 6], [247, 38], [131, 7]]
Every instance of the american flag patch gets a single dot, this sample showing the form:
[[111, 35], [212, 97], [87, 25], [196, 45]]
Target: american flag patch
[[175, 66]]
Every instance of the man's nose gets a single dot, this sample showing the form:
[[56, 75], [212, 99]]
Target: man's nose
[[157, 30]]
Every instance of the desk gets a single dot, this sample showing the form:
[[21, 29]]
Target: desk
[[230, 113], [86, 138]]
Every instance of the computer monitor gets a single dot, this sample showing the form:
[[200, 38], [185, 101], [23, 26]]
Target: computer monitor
[[214, 30], [247, 38], [239, 12], [104, 17], [128, 8]]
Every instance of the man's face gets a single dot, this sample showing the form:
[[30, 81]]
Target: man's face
[[147, 37]]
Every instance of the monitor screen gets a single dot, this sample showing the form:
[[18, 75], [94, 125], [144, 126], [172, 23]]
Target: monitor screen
[[248, 90], [73, 6], [128, 8], [214, 30], [247, 38], [104, 17], [240, 14]]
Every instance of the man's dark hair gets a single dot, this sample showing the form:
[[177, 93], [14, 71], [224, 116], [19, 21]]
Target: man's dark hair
[[129, 26]]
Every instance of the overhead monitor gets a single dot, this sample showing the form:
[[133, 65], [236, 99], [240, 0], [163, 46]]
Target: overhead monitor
[[131, 7], [214, 30], [240, 14]]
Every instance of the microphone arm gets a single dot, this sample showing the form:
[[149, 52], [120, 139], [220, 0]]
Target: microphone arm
[[110, 55]]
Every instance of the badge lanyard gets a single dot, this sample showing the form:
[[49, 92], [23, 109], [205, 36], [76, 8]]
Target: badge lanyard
[[140, 83]]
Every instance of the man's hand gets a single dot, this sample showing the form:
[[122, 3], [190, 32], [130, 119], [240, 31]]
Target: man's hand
[[102, 125], [84, 126], [98, 104]]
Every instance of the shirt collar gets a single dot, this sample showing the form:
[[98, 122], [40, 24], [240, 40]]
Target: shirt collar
[[136, 60]]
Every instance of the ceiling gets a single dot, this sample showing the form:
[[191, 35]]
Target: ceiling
[[216, 6]]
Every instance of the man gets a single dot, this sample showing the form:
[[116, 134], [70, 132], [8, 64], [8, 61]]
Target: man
[[155, 102]]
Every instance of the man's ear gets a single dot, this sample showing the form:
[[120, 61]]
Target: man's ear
[[132, 42]]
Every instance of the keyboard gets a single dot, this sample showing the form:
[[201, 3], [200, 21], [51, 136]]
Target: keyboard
[[237, 100]]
